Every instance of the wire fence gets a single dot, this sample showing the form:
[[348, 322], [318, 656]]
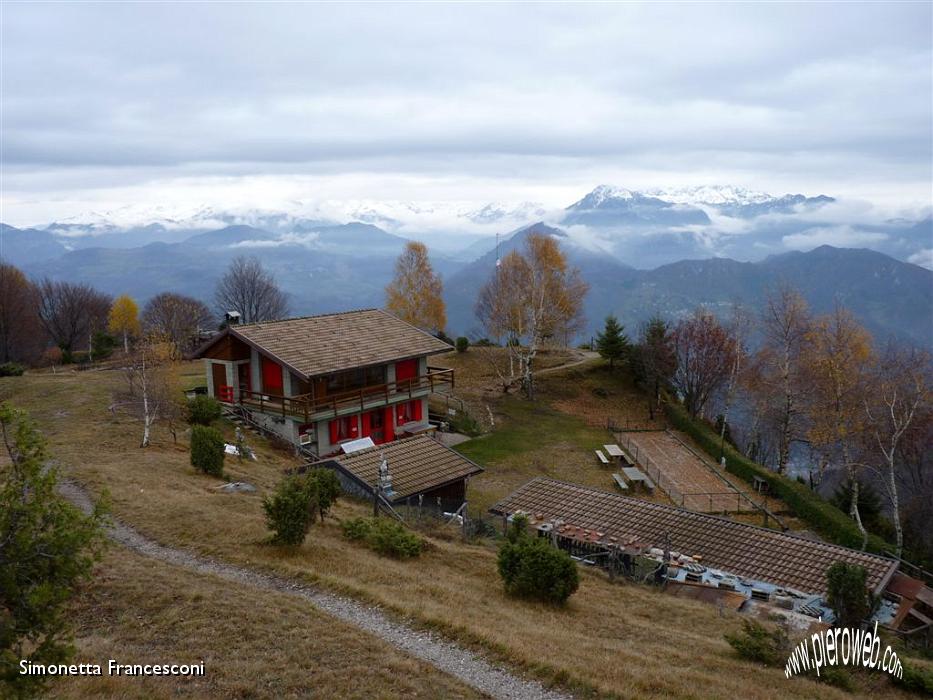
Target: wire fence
[[705, 502]]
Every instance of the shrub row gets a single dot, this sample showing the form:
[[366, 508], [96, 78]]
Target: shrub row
[[821, 515], [387, 537]]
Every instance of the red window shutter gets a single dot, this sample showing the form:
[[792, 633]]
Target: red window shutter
[[406, 369], [334, 431], [415, 411], [354, 426], [400, 413], [388, 427], [271, 377], [366, 429]]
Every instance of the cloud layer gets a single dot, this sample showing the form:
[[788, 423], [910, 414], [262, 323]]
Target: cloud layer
[[192, 104]]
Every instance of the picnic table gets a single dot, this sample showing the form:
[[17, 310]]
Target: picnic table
[[613, 451], [635, 474]]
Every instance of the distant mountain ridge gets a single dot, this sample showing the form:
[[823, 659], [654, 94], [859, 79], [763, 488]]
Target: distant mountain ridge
[[892, 298]]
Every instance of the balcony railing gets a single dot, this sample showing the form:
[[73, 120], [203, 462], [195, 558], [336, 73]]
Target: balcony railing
[[310, 408]]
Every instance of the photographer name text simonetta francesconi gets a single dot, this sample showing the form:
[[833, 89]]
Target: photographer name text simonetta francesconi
[[113, 668]]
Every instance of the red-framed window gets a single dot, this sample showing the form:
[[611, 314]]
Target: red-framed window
[[345, 428], [408, 412]]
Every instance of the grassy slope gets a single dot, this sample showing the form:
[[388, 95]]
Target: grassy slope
[[621, 640], [253, 643]]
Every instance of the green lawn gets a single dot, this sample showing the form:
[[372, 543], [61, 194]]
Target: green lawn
[[533, 439], [528, 426]]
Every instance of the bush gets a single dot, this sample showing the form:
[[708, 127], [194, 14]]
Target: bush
[[203, 410], [207, 450], [387, 537], [463, 344], [102, 345], [847, 593], [11, 369], [531, 568], [916, 680], [291, 510], [757, 643], [821, 515], [356, 529], [328, 488]]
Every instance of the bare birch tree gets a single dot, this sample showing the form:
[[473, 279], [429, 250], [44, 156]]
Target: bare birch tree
[[150, 380], [899, 389], [785, 322], [532, 298]]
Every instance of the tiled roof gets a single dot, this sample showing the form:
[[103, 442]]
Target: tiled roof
[[317, 345], [745, 550], [416, 465]]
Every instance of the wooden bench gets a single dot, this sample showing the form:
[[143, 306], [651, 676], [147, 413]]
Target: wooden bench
[[620, 482], [602, 458]]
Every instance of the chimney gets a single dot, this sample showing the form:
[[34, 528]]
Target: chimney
[[232, 318]]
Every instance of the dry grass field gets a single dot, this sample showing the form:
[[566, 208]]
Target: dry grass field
[[253, 643], [611, 640]]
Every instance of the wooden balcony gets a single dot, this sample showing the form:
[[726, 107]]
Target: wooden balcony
[[309, 408]]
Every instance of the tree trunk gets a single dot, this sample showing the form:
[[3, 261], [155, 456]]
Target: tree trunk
[[895, 510], [126, 343], [146, 419], [853, 506]]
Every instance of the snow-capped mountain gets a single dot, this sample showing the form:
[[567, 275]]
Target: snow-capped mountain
[[608, 206], [711, 194]]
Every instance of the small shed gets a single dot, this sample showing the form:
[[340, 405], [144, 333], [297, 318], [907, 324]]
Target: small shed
[[423, 471]]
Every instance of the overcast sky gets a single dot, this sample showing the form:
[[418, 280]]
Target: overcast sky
[[256, 104]]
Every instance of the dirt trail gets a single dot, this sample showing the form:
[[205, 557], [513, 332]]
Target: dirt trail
[[442, 654]]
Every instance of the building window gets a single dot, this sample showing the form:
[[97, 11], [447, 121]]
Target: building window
[[408, 412], [346, 428]]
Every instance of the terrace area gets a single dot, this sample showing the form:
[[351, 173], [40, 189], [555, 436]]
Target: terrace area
[[310, 408]]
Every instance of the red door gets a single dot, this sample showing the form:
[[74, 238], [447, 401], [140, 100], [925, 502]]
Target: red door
[[271, 377]]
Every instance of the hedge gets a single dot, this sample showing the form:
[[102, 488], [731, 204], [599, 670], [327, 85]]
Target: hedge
[[821, 515]]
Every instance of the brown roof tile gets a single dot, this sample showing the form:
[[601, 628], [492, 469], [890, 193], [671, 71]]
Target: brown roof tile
[[416, 464], [745, 550], [317, 345]]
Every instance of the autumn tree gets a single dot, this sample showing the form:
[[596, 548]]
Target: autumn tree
[[898, 390], [785, 322], [415, 293], [21, 334], [71, 313], [176, 318], [532, 298], [738, 330], [612, 342], [705, 354], [655, 360], [123, 320], [838, 361], [248, 288], [152, 383]]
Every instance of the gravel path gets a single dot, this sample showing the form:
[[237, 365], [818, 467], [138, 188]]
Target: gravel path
[[443, 655]]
